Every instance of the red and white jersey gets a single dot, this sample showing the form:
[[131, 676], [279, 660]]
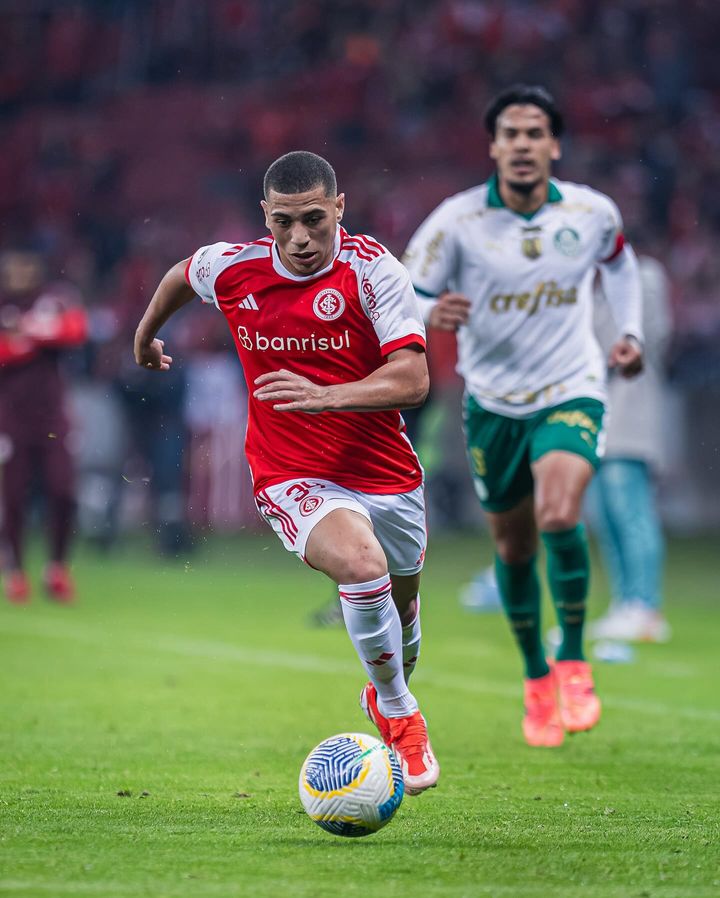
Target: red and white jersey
[[335, 326]]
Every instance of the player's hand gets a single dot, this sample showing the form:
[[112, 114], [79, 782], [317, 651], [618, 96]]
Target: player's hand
[[290, 392], [450, 312], [152, 356], [626, 355]]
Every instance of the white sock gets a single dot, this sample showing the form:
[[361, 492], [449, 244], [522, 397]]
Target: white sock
[[373, 624], [411, 636]]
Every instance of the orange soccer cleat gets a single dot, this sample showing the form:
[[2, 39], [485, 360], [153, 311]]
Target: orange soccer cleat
[[409, 740], [542, 725], [368, 702], [58, 583], [579, 705], [17, 587]]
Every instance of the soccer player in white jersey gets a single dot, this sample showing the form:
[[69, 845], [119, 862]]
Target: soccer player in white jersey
[[331, 340], [510, 265]]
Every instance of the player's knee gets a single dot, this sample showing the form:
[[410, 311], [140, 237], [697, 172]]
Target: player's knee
[[553, 519], [516, 551], [362, 569], [359, 559]]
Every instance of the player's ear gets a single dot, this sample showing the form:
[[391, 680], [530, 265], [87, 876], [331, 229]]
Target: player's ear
[[339, 206], [556, 151], [493, 150], [266, 211]]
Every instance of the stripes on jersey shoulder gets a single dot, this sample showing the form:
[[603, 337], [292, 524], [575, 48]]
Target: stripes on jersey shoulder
[[362, 246], [239, 247]]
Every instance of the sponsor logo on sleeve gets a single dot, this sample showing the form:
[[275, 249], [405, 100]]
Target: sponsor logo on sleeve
[[371, 302], [329, 304]]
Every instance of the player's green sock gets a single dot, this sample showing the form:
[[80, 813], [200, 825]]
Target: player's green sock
[[520, 593], [568, 569]]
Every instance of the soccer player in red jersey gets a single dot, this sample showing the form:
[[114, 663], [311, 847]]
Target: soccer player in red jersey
[[38, 321], [332, 344]]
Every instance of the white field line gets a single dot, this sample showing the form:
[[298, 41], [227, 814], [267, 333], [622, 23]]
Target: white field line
[[225, 652], [236, 888]]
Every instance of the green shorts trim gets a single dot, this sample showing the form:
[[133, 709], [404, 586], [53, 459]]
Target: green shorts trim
[[501, 449]]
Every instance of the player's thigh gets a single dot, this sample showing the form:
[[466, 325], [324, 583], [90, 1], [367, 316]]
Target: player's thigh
[[400, 527], [498, 453], [326, 526], [565, 450], [560, 483], [344, 547]]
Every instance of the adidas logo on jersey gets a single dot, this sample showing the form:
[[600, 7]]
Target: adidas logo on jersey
[[248, 303]]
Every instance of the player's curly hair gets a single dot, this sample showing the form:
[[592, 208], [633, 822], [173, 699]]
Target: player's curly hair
[[298, 172], [522, 95]]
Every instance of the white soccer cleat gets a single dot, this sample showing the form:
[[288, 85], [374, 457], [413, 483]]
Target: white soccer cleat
[[631, 622]]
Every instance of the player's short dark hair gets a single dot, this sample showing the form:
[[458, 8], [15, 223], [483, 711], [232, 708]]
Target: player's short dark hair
[[524, 95], [298, 172]]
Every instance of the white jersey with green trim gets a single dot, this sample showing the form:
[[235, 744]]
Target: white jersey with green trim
[[529, 341]]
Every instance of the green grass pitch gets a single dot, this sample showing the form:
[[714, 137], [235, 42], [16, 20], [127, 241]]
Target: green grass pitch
[[151, 738]]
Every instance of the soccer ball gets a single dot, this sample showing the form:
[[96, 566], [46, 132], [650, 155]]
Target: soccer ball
[[351, 784]]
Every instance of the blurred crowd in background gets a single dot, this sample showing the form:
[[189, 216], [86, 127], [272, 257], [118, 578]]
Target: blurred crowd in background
[[134, 132]]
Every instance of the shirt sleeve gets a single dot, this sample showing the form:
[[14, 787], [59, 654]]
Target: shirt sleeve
[[620, 278], [431, 255], [204, 266], [612, 240], [389, 301]]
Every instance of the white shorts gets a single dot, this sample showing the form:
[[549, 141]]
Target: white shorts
[[294, 507]]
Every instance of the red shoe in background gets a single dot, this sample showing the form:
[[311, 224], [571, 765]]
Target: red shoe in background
[[58, 583], [17, 587]]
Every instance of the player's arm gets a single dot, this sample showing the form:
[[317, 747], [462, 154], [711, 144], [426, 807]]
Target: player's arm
[[446, 312], [402, 382], [172, 294], [620, 276], [621, 284], [431, 260]]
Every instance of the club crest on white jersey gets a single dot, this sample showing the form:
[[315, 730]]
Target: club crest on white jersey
[[329, 304]]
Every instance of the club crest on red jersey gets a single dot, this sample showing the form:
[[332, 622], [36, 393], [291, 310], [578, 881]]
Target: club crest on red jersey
[[311, 504], [329, 304]]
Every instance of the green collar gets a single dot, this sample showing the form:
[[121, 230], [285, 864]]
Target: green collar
[[495, 201]]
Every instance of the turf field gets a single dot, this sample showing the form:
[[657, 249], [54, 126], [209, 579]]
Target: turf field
[[151, 739]]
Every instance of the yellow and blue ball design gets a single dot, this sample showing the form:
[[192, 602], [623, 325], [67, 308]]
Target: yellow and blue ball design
[[351, 784]]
